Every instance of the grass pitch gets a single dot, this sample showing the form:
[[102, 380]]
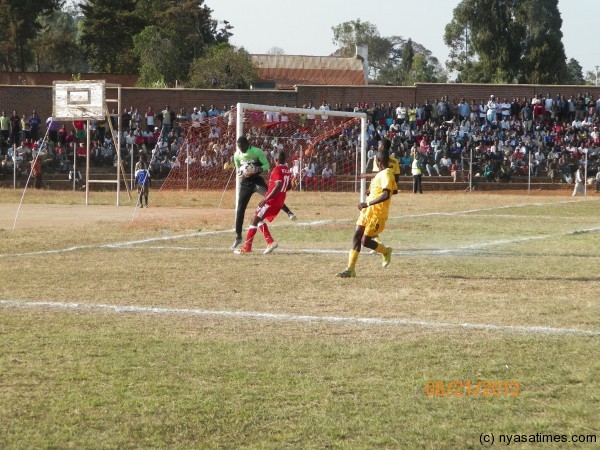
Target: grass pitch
[[481, 288]]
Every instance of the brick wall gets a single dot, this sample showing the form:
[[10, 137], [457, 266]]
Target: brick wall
[[24, 99], [47, 78], [479, 92]]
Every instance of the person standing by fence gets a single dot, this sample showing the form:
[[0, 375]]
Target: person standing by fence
[[417, 173], [142, 180], [579, 181]]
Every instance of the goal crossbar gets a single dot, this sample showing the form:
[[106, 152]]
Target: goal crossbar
[[241, 107]]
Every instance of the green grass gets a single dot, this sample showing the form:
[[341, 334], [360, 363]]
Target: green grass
[[88, 378]]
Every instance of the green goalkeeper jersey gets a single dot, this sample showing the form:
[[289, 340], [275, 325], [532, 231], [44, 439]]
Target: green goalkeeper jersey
[[253, 155]]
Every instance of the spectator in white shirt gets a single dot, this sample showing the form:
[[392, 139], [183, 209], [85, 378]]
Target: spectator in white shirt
[[327, 177]]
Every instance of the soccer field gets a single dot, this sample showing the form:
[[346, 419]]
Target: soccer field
[[124, 328]]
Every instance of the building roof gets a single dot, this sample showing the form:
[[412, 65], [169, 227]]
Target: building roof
[[286, 71]]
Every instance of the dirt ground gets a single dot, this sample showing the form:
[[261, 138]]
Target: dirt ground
[[55, 216]]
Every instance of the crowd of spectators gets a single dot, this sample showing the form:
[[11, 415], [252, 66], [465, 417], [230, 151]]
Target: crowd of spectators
[[544, 135], [494, 139]]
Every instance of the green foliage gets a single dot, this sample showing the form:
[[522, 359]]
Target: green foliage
[[574, 72], [408, 55], [157, 38], [20, 24], [190, 28], [390, 58], [223, 67], [158, 55], [107, 34], [354, 33], [55, 48], [102, 33], [544, 59], [506, 41], [591, 77]]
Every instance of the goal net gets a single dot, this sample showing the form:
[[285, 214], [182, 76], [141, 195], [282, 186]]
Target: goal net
[[325, 150]]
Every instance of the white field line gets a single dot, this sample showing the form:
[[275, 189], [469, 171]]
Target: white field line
[[273, 317], [473, 247], [119, 244]]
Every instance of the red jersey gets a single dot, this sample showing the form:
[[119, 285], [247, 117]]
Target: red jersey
[[280, 173]]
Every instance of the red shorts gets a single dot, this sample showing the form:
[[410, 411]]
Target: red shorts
[[269, 211]]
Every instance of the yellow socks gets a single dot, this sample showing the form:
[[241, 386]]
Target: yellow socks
[[352, 258], [381, 248]]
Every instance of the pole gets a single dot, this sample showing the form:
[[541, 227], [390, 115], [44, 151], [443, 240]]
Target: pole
[[471, 170], [529, 174], [14, 166], [356, 164], [118, 145], [87, 161], [187, 167], [597, 75], [239, 131], [75, 165], [300, 171], [363, 157], [131, 166], [585, 173]]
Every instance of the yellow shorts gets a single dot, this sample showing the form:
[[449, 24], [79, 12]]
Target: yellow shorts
[[373, 224]]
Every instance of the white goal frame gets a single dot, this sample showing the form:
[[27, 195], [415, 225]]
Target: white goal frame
[[241, 107]]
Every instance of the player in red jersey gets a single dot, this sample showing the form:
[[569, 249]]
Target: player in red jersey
[[269, 206]]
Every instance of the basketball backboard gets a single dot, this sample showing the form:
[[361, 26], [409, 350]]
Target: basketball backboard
[[78, 100]]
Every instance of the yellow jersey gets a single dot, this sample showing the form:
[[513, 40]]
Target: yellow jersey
[[393, 164], [383, 180]]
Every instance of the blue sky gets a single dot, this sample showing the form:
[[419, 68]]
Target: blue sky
[[304, 27]]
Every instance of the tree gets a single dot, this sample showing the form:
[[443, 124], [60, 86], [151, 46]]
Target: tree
[[544, 59], [385, 53], [191, 22], [591, 77], [574, 72], [20, 23], [223, 67], [107, 32], [349, 35], [506, 41], [160, 59], [483, 33], [406, 65], [182, 30], [55, 48], [276, 51], [425, 72], [457, 38]]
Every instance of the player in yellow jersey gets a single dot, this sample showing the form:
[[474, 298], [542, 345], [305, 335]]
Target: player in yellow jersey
[[373, 215], [393, 164]]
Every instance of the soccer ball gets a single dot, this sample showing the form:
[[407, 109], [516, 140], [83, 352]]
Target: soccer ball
[[247, 169]]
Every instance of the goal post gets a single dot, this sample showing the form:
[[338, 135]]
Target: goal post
[[324, 116], [326, 150]]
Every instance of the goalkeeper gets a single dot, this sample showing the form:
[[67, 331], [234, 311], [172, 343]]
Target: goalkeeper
[[373, 215], [249, 184]]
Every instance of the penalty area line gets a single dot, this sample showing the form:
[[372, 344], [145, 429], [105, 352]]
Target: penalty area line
[[309, 319]]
